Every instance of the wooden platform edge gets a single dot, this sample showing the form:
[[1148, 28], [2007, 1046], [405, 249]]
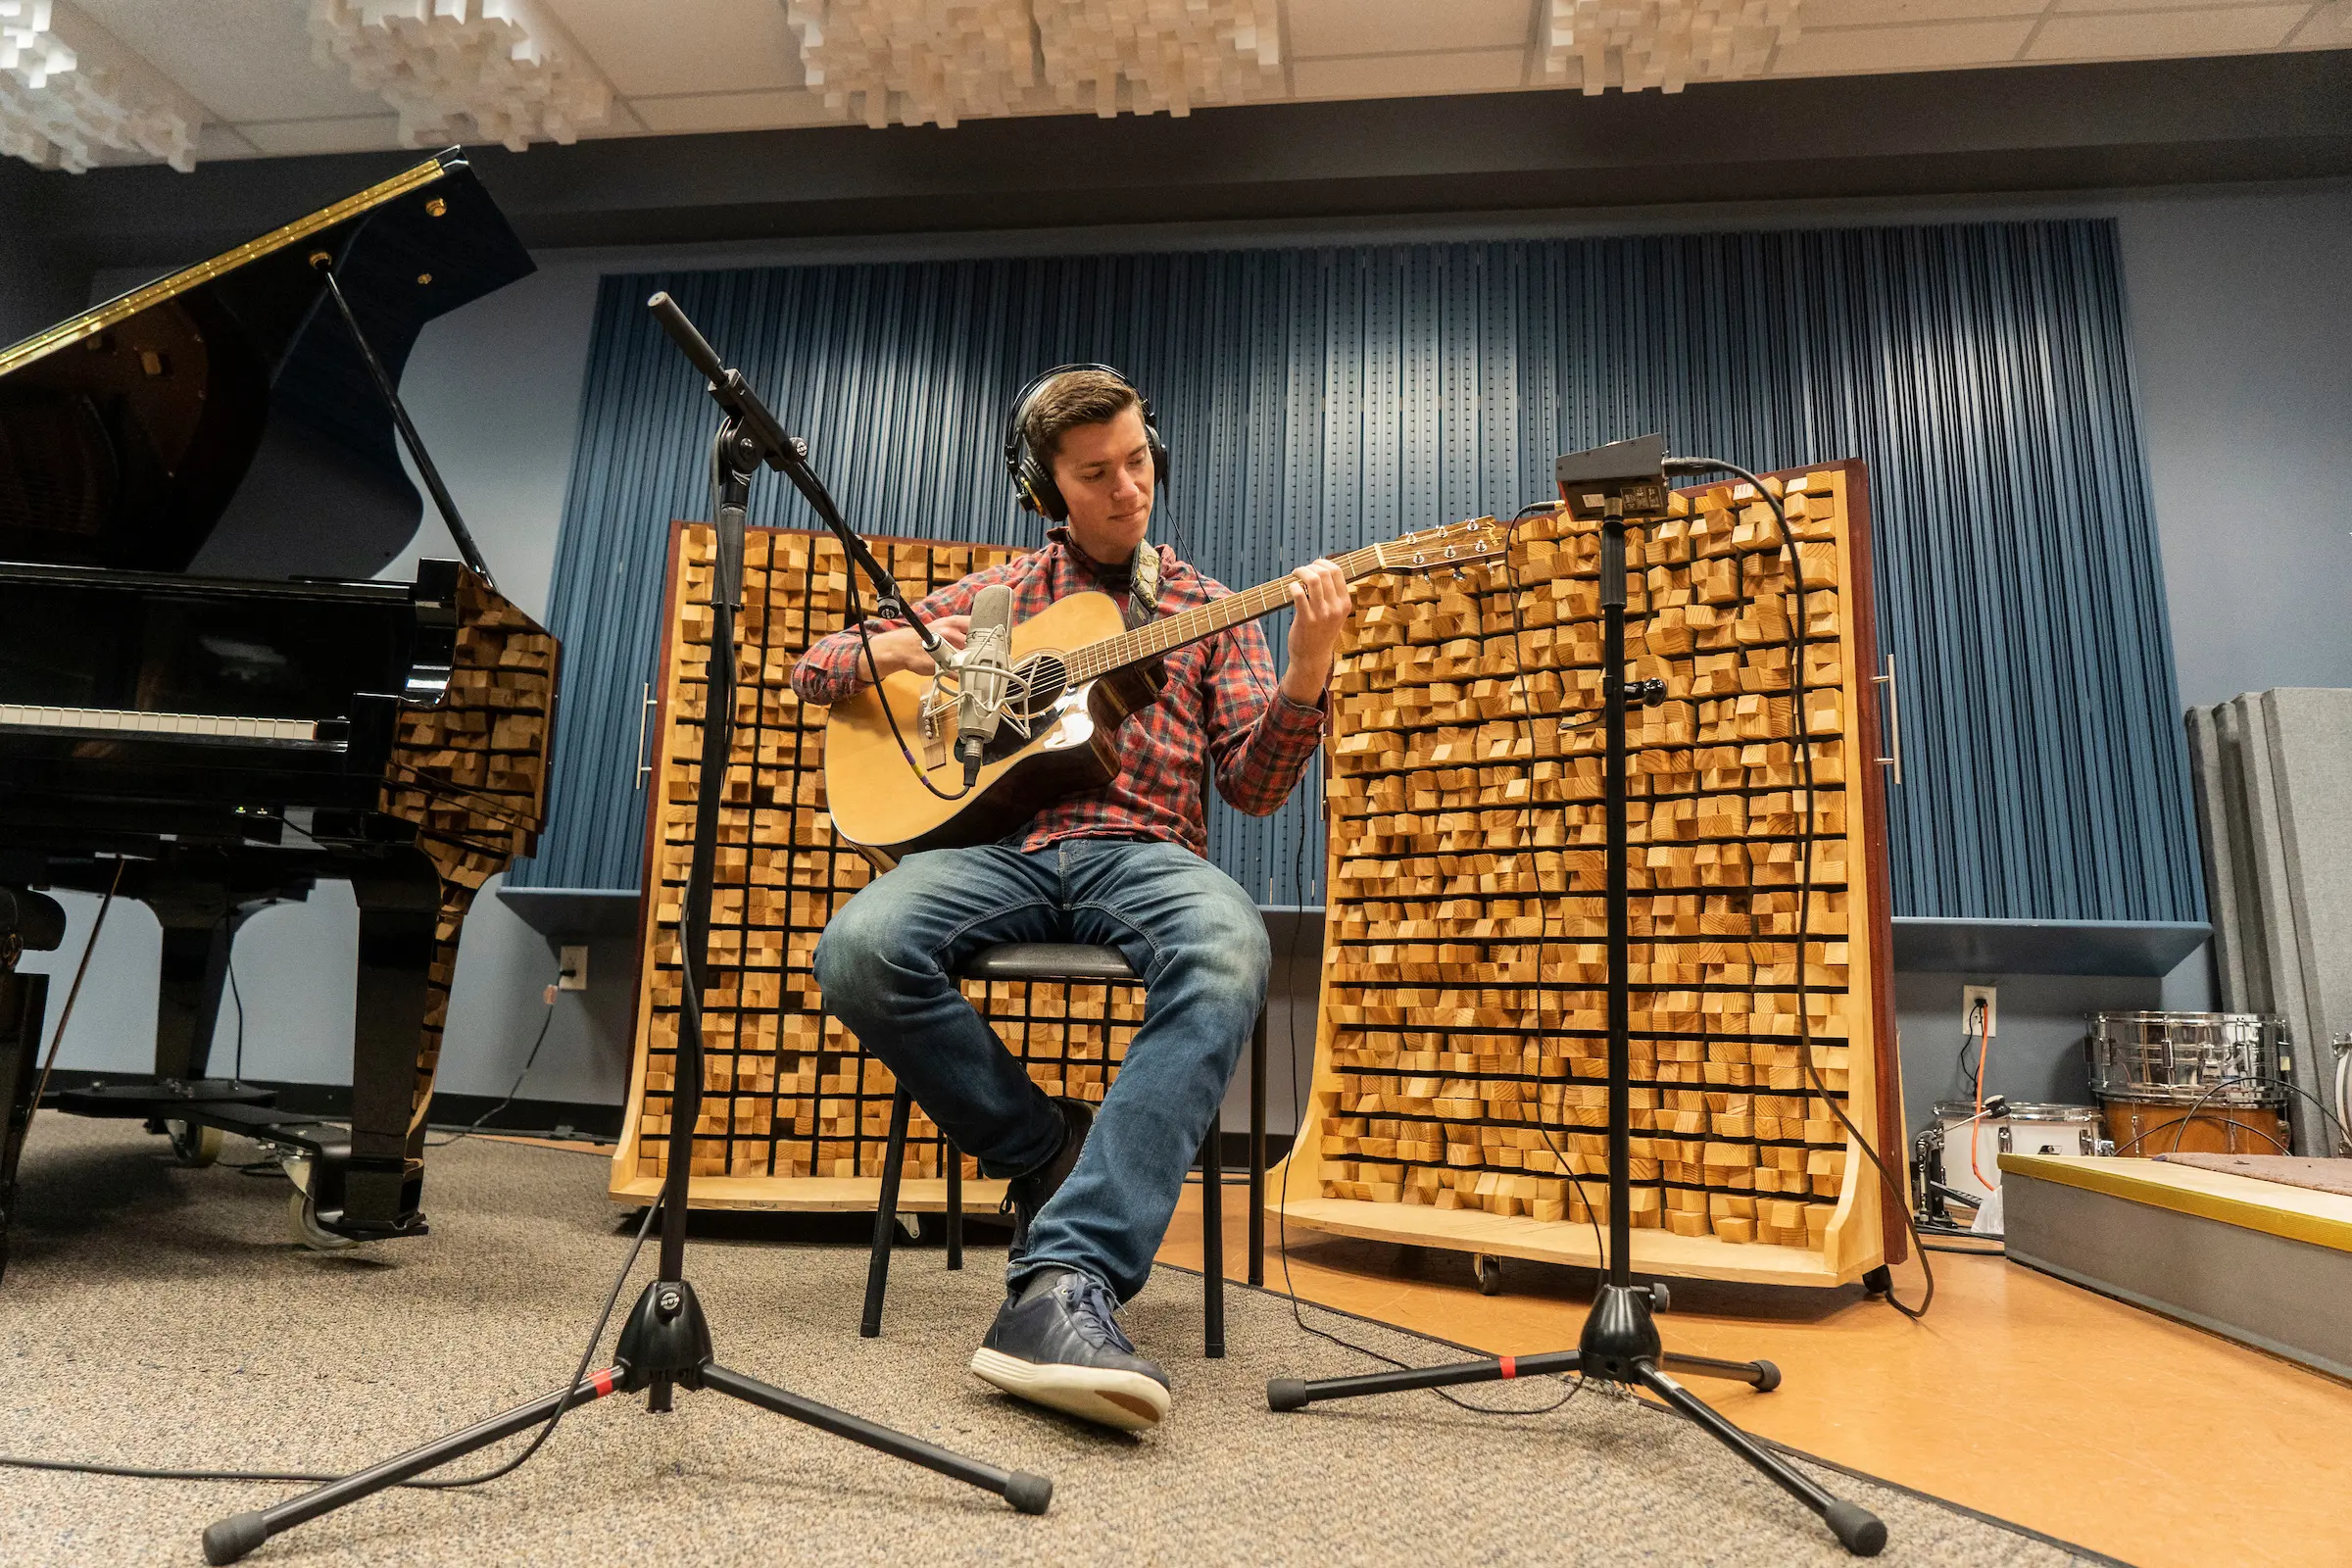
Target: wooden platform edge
[[2292, 1214]]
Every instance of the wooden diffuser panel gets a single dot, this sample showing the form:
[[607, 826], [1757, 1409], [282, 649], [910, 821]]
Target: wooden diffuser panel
[[795, 1114], [1460, 1071], [472, 773]]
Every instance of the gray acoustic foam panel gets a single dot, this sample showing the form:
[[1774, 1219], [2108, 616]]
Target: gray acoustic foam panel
[[2273, 793]]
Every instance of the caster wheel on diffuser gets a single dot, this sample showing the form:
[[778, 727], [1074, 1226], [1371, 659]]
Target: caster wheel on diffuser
[[1489, 1270]]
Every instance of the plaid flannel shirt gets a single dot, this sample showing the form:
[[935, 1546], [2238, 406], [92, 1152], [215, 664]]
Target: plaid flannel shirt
[[1221, 707]]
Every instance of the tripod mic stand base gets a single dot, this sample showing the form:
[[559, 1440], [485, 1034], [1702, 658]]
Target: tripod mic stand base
[[1620, 1344], [665, 1343]]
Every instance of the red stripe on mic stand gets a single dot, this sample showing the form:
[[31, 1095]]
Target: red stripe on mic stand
[[1509, 1365], [603, 1381]]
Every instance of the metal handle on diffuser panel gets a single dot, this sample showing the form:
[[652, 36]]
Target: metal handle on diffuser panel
[[1894, 724], [644, 707]]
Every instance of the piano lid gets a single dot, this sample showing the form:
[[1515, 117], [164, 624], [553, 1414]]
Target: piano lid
[[221, 418]]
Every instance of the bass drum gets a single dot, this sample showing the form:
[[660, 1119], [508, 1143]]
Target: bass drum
[[2029, 1129], [2142, 1129]]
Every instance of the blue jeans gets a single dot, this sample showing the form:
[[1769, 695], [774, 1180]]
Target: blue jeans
[[886, 960]]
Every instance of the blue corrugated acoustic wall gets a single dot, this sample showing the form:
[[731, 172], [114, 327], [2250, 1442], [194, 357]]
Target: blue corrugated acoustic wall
[[1317, 399]]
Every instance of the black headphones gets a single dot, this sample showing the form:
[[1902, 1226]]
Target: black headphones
[[1032, 481]]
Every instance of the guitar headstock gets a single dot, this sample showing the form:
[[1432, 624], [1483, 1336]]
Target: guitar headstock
[[1449, 547]]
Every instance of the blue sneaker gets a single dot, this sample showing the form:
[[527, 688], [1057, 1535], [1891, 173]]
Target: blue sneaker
[[1055, 1343]]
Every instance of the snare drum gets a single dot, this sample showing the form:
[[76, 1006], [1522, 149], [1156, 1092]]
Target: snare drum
[[2028, 1129], [2207, 1083], [2221, 1058]]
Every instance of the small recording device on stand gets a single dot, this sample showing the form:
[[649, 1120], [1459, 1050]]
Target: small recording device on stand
[[1618, 485], [665, 1343]]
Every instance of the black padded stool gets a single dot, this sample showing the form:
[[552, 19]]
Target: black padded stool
[[1070, 961]]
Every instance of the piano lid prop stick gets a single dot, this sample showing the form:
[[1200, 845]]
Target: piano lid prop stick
[[409, 437], [73, 992]]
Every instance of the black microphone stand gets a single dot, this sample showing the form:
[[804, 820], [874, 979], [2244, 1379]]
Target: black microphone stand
[[1620, 1344], [665, 1343]]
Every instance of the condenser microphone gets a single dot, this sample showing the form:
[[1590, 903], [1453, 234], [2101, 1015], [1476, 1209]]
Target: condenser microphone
[[981, 677]]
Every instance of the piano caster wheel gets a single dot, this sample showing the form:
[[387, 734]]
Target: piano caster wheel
[[302, 1222], [1489, 1270], [302, 1215], [195, 1145]]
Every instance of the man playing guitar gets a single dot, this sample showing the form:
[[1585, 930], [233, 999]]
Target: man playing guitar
[[1121, 867]]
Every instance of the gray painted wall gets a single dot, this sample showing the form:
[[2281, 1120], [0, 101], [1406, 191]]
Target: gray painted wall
[[40, 282], [2243, 339]]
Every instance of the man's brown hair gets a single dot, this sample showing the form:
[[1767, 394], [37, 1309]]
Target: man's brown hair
[[1072, 399]]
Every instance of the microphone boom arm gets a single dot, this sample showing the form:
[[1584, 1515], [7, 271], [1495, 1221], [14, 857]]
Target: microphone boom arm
[[757, 428]]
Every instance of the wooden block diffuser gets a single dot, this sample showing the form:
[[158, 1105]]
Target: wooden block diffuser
[[1459, 1093], [794, 1116]]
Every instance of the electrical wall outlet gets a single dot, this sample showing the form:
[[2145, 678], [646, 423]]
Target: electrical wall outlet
[[575, 969], [1970, 996]]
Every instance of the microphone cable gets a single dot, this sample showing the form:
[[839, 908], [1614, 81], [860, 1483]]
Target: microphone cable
[[1298, 1104], [1795, 643], [854, 608]]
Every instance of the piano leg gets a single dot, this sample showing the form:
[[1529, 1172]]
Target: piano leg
[[190, 980], [23, 1003], [372, 1191]]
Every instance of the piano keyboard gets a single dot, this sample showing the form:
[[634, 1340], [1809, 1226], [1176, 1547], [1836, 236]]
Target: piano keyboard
[[216, 728]]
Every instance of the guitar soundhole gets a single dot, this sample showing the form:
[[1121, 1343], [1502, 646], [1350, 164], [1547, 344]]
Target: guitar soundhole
[[1047, 678]]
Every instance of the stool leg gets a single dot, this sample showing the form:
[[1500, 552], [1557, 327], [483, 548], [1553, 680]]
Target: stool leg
[[1258, 1151], [886, 1216], [1212, 1239], [955, 1160]]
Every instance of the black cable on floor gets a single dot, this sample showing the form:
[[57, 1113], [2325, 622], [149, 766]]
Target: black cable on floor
[[513, 1089], [546, 1431]]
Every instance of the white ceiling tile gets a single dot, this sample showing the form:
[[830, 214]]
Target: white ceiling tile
[[1890, 13], [1929, 46], [685, 46], [735, 111], [364, 133], [2141, 36], [241, 58], [1410, 76], [218, 141], [1401, 27]]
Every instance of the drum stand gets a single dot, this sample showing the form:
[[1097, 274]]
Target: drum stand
[[665, 1342], [1620, 1343]]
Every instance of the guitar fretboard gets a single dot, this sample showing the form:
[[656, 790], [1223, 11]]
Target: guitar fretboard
[[1157, 637]]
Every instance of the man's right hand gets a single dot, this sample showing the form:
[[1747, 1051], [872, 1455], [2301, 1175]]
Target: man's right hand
[[901, 649]]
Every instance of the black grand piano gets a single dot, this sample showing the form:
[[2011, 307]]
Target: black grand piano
[[207, 703]]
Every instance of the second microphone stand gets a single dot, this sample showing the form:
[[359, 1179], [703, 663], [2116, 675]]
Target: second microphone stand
[[1620, 1343], [665, 1343]]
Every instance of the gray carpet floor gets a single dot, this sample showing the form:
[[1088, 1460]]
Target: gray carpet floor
[[159, 1315]]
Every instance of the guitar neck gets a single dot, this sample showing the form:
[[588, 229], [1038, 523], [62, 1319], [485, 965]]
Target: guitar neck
[[1157, 637]]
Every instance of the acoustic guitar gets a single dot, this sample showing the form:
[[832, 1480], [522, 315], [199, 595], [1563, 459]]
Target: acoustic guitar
[[1077, 674]]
